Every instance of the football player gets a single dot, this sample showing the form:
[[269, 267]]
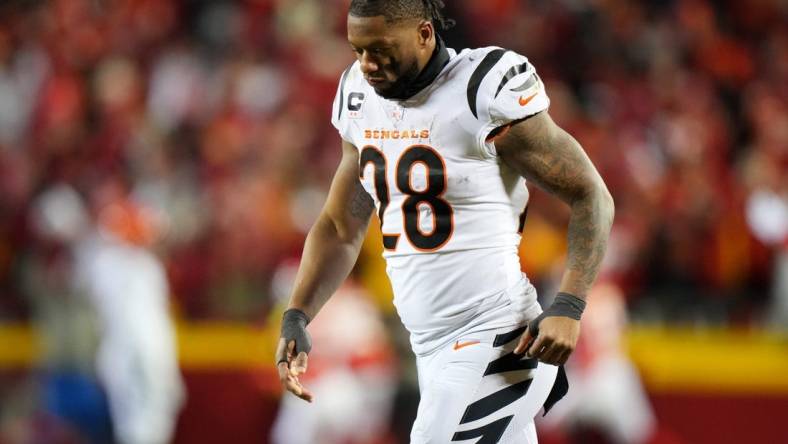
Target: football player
[[439, 144]]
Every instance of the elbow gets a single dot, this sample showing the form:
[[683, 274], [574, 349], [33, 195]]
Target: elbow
[[348, 236], [339, 230], [595, 203], [596, 198], [606, 204]]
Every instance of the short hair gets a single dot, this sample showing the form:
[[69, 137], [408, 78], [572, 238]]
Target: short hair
[[398, 10]]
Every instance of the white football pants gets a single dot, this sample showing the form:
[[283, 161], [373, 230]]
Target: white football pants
[[476, 390]]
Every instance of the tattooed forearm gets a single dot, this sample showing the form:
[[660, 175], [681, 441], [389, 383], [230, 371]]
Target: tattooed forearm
[[548, 156], [589, 227], [361, 204]]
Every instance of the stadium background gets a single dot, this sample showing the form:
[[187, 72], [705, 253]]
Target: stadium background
[[212, 117]]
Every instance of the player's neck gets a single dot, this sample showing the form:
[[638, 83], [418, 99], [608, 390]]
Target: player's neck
[[433, 67]]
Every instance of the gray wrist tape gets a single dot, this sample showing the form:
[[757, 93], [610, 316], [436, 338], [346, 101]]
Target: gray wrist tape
[[567, 305], [564, 304], [294, 323]]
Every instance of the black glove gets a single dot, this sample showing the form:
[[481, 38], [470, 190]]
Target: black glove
[[564, 304], [294, 323]]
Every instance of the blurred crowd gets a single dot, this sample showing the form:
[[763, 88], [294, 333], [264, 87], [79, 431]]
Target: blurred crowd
[[213, 117]]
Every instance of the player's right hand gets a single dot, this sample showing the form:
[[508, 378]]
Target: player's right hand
[[292, 353]]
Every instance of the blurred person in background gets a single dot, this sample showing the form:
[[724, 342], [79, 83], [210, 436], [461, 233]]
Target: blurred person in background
[[127, 287], [466, 128], [767, 216]]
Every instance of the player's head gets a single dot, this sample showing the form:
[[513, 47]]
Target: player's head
[[394, 40]]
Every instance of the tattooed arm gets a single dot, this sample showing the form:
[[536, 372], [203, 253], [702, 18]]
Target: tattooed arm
[[334, 242], [330, 251], [546, 155]]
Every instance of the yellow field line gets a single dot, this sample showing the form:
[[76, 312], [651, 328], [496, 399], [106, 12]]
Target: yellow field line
[[670, 360], [200, 345], [710, 361], [19, 345], [225, 345]]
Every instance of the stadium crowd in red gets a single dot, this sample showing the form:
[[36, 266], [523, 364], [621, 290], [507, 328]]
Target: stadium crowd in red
[[216, 116]]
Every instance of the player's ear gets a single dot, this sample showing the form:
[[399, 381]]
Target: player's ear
[[426, 33]]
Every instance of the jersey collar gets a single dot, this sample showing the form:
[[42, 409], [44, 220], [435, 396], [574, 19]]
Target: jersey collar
[[440, 57]]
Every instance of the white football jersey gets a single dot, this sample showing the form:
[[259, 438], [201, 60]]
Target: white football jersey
[[451, 213]]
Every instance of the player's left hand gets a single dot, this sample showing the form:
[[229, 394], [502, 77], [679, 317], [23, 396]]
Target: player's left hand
[[552, 336], [552, 342]]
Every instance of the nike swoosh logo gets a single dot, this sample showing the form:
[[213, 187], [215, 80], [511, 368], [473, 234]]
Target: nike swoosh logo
[[458, 345], [524, 101]]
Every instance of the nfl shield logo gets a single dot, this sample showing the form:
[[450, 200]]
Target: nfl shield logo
[[396, 112]]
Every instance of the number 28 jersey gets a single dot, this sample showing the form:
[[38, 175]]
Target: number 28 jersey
[[451, 213]]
